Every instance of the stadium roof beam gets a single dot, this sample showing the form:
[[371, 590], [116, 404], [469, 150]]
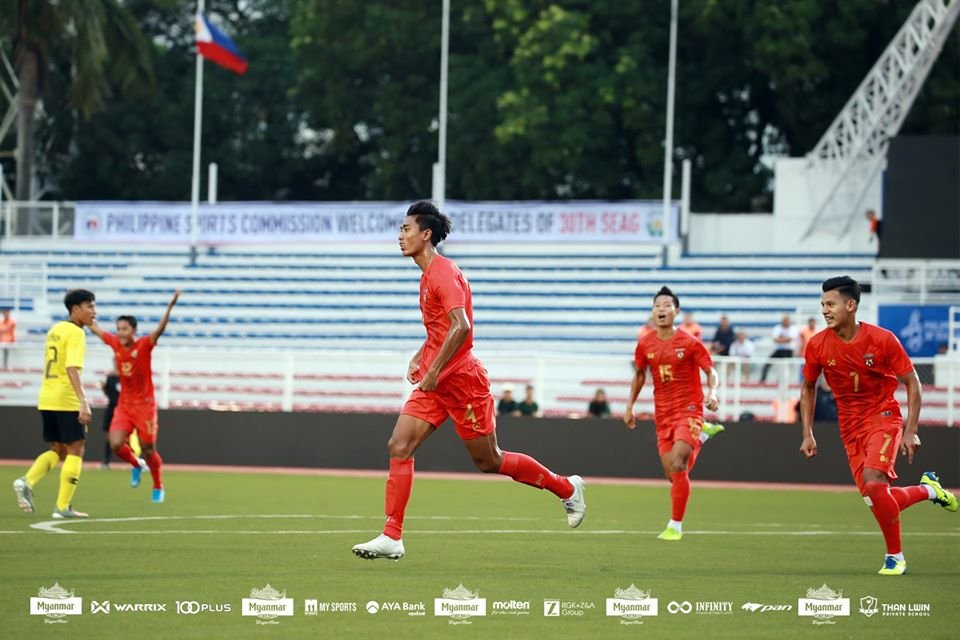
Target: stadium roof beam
[[853, 150]]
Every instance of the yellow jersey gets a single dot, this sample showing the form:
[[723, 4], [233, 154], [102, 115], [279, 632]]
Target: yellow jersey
[[66, 347]]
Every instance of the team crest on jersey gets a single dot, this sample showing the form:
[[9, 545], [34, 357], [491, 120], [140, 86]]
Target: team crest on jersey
[[679, 354], [868, 359]]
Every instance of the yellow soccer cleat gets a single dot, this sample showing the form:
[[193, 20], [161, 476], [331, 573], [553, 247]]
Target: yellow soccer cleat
[[670, 534], [893, 567], [712, 428], [944, 498]]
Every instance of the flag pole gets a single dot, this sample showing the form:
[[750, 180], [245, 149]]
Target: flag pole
[[195, 175]]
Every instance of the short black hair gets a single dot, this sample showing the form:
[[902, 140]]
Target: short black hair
[[665, 291], [845, 286], [76, 297], [429, 217], [130, 319]]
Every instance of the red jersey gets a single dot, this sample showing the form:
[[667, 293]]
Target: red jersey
[[675, 365], [442, 289], [136, 370], [862, 374]]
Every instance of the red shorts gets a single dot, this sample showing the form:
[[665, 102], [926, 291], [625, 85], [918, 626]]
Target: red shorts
[[680, 429], [143, 419], [874, 446], [463, 395]]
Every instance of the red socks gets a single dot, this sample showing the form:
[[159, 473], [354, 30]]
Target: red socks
[[526, 470], [909, 496], [399, 485], [887, 514], [125, 453], [679, 493], [155, 462]]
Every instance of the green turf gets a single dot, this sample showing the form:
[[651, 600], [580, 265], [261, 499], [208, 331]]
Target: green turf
[[507, 541]]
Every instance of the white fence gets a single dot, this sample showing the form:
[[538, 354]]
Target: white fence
[[349, 381]]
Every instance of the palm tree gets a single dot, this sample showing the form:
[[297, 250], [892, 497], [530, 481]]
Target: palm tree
[[100, 45]]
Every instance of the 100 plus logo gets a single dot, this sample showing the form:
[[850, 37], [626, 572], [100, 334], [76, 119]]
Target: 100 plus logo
[[192, 607]]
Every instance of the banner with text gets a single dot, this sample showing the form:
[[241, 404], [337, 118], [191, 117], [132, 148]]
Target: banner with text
[[353, 222]]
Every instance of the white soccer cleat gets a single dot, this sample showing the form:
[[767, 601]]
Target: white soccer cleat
[[575, 505], [383, 546], [69, 512], [24, 494]]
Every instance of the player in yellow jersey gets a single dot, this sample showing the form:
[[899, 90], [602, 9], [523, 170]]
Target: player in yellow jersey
[[63, 406]]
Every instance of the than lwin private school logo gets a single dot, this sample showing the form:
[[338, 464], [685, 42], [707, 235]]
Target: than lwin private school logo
[[823, 603], [267, 604], [55, 603], [460, 604]]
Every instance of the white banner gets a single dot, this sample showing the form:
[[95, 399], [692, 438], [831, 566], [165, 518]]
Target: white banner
[[353, 222]]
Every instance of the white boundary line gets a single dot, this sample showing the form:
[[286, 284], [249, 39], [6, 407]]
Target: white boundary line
[[53, 526]]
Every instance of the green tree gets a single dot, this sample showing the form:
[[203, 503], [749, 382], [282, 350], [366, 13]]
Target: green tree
[[96, 43]]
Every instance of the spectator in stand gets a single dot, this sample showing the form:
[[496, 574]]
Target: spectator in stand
[[805, 334], [507, 405], [647, 328], [8, 335], [691, 326], [785, 337], [876, 227], [723, 338], [529, 406], [599, 407], [743, 348]]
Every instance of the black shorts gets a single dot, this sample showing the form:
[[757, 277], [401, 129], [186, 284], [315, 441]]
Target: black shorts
[[62, 426]]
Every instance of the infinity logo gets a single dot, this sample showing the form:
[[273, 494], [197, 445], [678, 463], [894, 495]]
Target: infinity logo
[[679, 607], [99, 607]]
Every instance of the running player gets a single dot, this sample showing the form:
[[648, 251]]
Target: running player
[[676, 359], [451, 382], [862, 364], [137, 408], [63, 406]]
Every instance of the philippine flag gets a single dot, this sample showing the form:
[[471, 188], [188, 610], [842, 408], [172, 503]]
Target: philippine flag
[[215, 45]]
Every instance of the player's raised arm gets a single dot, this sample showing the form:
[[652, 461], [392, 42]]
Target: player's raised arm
[[911, 441], [808, 399], [96, 330], [165, 319], [639, 378], [456, 334]]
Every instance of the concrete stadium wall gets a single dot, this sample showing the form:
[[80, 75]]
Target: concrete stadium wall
[[748, 452]]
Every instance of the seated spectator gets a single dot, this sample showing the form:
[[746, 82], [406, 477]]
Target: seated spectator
[[723, 338], [529, 406], [599, 407], [689, 325], [507, 405], [785, 337], [743, 348]]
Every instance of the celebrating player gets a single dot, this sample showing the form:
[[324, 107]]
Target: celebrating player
[[137, 408], [451, 382], [862, 364], [675, 359], [63, 406]]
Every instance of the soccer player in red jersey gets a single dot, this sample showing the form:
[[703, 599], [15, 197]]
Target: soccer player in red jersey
[[676, 359], [862, 364], [451, 382], [137, 407]]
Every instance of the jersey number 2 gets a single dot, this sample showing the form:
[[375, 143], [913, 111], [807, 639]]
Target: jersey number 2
[[50, 362]]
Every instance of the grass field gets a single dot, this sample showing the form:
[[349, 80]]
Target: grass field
[[219, 535]]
